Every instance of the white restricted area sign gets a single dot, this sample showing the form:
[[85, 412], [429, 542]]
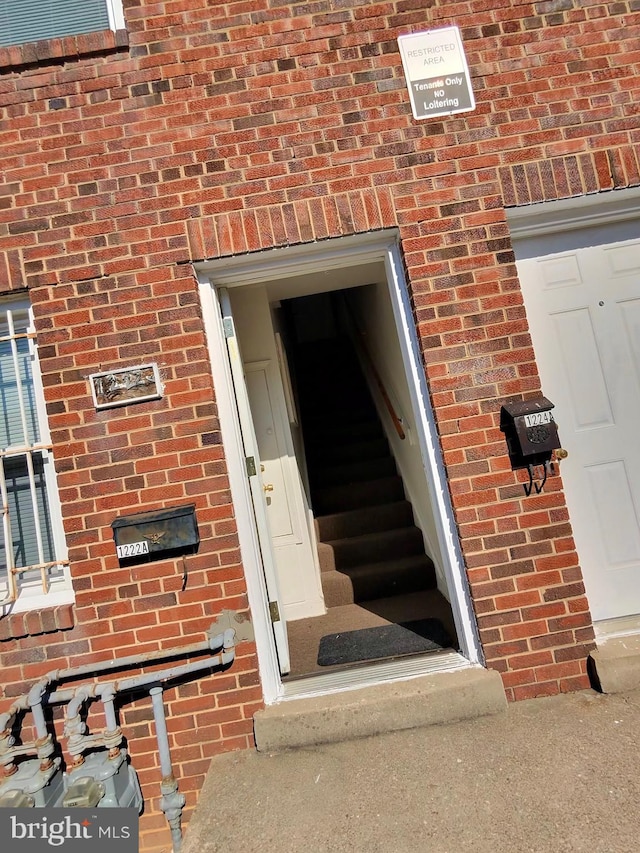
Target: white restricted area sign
[[437, 73]]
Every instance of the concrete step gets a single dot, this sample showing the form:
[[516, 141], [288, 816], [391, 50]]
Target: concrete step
[[615, 664], [426, 700]]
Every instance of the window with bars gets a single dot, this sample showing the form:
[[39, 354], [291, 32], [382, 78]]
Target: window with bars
[[34, 570], [24, 21]]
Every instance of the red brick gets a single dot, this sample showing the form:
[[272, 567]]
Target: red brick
[[322, 149]]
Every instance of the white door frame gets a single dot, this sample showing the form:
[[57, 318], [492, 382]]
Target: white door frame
[[295, 261], [254, 477]]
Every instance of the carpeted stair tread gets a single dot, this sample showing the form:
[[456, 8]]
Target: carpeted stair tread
[[377, 580], [364, 520], [368, 544], [325, 454], [355, 472], [373, 547], [332, 499], [358, 427]]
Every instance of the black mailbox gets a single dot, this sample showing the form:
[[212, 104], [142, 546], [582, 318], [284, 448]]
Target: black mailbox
[[154, 535], [530, 431]]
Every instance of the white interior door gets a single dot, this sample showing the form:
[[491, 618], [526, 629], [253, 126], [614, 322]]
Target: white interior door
[[584, 313], [255, 482], [281, 456]]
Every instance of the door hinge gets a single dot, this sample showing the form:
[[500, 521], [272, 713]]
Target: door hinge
[[227, 325], [274, 611], [251, 466]]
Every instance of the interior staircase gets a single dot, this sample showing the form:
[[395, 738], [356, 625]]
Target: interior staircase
[[369, 547]]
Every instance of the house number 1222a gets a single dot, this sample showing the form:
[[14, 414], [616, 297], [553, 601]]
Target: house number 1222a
[[133, 549]]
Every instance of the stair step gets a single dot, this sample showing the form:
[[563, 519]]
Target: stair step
[[378, 580], [338, 352], [326, 428], [326, 410], [371, 548], [333, 499], [332, 454], [354, 472], [368, 545], [358, 521]]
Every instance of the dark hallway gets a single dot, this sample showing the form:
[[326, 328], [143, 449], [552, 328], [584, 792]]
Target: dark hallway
[[374, 570]]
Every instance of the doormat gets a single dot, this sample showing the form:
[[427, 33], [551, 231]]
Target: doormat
[[384, 641]]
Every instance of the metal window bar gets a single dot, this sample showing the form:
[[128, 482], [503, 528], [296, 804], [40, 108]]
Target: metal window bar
[[26, 451], [8, 542]]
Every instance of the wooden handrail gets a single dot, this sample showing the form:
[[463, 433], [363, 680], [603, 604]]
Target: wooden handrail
[[395, 418]]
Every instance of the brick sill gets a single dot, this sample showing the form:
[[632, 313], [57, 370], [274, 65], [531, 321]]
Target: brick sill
[[34, 622], [62, 49]]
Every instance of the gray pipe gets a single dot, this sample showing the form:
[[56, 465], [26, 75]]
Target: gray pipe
[[79, 742], [214, 642], [44, 742], [121, 686], [172, 801], [8, 749], [6, 719], [217, 641], [33, 698]]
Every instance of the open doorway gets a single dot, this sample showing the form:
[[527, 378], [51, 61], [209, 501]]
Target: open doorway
[[377, 575], [366, 558]]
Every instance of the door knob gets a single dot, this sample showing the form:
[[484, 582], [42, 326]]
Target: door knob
[[268, 487]]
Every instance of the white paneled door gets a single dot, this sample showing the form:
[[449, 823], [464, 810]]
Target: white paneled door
[[256, 484], [583, 308]]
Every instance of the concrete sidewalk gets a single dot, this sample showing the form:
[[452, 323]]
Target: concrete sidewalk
[[557, 774]]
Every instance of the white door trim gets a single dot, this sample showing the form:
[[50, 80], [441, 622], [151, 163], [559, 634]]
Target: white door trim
[[296, 261], [427, 435], [240, 493], [256, 486], [592, 220]]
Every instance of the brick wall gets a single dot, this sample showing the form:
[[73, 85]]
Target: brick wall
[[227, 128]]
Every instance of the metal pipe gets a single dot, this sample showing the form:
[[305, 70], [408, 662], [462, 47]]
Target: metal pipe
[[44, 740], [112, 734], [161, 730], [144, 679], [34, 698], [7, 719], [137, 681], [8, 749], [136, 660], [172, 801], [214, 641], [75, 730]]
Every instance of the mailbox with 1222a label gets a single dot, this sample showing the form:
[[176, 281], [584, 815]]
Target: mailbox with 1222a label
[[163, 533]]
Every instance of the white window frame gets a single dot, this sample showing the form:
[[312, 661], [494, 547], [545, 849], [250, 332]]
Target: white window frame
[[116, 14], [31, 594]]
